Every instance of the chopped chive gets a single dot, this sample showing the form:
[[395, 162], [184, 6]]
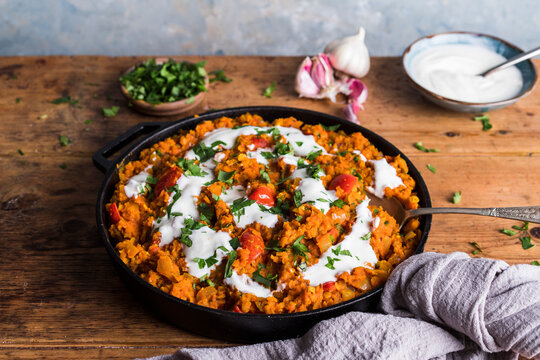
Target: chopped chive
[[431, 168], [457, 197], [421, 147], [269, 90], [508, 232], [20, 152]]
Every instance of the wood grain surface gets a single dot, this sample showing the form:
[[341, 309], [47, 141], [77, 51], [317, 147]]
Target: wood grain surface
[[59, 294]]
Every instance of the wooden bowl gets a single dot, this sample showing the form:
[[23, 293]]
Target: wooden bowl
[[166, 108]]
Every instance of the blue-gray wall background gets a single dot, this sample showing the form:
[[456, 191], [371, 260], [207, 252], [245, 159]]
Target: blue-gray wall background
[[244, 27]]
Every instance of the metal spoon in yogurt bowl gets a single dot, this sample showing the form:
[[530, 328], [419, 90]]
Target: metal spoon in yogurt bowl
[[512, 61], [396, 210]]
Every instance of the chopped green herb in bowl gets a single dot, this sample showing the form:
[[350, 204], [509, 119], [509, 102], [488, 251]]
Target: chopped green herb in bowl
[[165, 87]]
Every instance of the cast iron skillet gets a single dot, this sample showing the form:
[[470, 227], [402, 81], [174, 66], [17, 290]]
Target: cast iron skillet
[[222, 324]]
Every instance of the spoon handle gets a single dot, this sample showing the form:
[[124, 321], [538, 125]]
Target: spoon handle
[[526, 213], [512, 61]]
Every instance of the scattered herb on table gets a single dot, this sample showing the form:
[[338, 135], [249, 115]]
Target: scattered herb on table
[[535, 262], [508, 232], [20, 152], [457, 197], [110, 112], [269, 90], [64, 140], [167, 82], [486, 125], [421, 147], [476, 247], [65, 99], [17, 100], [88, 121], [219, 75], [526, 242], [431, 168], [63, 166]]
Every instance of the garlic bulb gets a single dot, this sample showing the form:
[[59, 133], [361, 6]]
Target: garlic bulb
[[349, 54]]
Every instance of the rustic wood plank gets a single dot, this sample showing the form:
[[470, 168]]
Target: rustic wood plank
[[60, 296]]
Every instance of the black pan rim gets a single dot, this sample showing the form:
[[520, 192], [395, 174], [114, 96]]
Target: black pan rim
[[191, 121]]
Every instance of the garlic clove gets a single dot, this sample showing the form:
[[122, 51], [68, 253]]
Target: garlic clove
[[305, 86], [350, 112], [321, 71], [349, 54], [356, 94]]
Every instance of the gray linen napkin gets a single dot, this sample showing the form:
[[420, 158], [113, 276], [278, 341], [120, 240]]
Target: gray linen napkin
[[437, 307]]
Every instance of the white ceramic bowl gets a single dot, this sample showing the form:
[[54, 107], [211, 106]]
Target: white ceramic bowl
[[492, 43]]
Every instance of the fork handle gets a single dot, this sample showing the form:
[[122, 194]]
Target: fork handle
[[525, 213]]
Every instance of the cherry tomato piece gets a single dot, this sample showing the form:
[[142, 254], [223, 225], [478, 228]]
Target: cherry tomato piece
[[236, 309], [260, 142], [345, 181], [263, 195], [167, 180], [329, 285], [114, 214], [252, 242]]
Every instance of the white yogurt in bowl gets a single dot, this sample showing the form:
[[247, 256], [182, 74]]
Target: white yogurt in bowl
[[445, 69], [452, 71]]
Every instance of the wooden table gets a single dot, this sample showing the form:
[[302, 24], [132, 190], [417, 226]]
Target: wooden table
[[59, 294]]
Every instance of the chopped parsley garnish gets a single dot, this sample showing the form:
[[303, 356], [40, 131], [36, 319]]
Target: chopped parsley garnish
[[110, 112], [476, 247], [273, 131], [343, 153], [457, 197], [313, 155], [235, 243], [314, 171], [238, 206], [226, 177], [64, 141], [526, 242], [431, 168], [266, 281], [283, 149], [187, 230], [151, 180], [375, 211], [200, 262], [274, 245], [20, 152], [167, 82], [331, 127], [331, 261], [298, 218], [269, 90], [190, 168], [337, 251], [267, 155], [298, 248], [297, 197], [280, 208], [485, 121], [265, 176], [143, 188], [205, 152], [219, 75], [535, 262], [508, 232], [421, 147], [339, 203], [228, 267], [367, 236], [159, 153], [211, 260], [299, 143], [175, 198], [65, 99], [206, 213]]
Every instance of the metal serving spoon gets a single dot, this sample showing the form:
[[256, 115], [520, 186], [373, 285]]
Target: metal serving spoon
[[394, 208], [512, 61]]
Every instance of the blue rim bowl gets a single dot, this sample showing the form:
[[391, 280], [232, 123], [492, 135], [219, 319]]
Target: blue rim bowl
[[502, 47]]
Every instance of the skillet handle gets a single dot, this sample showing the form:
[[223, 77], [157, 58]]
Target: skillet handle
[[101, 156]]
